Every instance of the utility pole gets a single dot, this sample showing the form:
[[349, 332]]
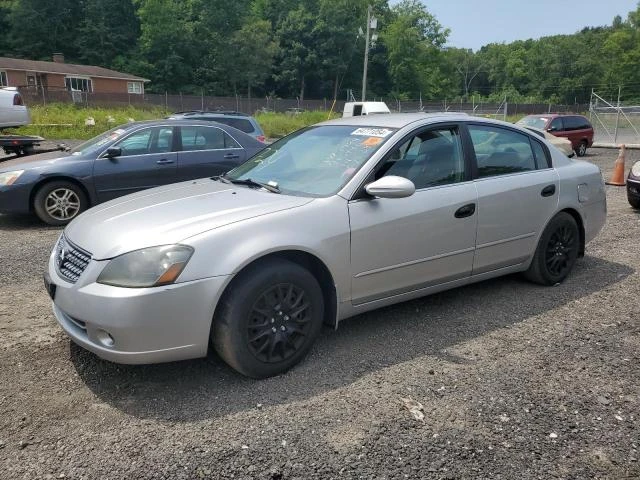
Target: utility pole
[[372, 24]]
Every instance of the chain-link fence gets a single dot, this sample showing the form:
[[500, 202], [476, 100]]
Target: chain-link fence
[[614, 122], [504, 110]]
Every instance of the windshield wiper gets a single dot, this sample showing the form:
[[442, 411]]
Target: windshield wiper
[[273, 188], [222, 178]]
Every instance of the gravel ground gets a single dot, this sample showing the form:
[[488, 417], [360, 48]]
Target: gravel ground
[[514, 381]]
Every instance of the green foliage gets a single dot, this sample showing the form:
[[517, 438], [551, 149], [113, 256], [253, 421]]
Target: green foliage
[[67, 121], [277, 125], [311, 48]]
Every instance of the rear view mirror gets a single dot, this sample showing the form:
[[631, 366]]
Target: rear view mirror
[[113, 152], [391, 187]]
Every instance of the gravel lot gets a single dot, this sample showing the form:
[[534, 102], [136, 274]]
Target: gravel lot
[[515, 381]]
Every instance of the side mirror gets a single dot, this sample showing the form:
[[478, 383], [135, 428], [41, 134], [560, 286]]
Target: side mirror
[[552, 129], [391, 187], [113, 152]]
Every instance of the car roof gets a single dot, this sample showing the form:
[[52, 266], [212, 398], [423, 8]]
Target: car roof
[[214, 113], [554, 115], [396, 120]]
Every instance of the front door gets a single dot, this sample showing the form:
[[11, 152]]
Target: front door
[[517, 195], [146, 161], [204, 151], [400, 245]]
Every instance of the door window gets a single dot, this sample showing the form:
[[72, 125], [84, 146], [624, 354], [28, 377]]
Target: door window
[[206, 138], [428, 159], [500, 151], [556, 125], [146, 141]]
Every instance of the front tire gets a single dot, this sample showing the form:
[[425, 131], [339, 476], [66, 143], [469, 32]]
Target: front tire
[[557, 251], [634, 202], [57, 203], [268, 319], [581, 151]]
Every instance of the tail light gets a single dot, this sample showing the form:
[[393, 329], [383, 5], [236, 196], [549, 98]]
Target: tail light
[[17, 99], [261, 138]]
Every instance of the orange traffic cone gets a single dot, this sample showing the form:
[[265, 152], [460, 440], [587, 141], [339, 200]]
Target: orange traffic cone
[[617, 178]]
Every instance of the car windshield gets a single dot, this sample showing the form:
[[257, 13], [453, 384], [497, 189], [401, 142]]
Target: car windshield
[[315, 161], [96, 143], [537, 122]]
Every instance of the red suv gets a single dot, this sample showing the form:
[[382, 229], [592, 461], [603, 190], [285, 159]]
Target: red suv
[[574, 127]]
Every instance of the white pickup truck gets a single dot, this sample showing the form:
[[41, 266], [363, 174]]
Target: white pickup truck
[[13, 111]]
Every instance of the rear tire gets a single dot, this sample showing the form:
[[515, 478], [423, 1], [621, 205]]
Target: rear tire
[[634, 202], [581, 151], [556, 252], [57, 203], [268, 319]]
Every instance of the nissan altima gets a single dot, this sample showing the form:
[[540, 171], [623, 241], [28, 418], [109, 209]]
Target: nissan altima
[[334, 220]]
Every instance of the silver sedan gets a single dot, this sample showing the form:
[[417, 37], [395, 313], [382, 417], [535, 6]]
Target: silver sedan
[[334, 220]]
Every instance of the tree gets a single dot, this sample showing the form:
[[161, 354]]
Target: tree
[[42, 27], [298, 49], [167, 44], [104, 36], [413, 40], [254, 49]]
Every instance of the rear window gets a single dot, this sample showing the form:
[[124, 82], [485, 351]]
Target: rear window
[[240, 123], [536, 122]]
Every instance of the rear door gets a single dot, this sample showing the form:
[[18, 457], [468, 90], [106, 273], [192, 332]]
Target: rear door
[[204, 151], [147, 160], [517, 195]]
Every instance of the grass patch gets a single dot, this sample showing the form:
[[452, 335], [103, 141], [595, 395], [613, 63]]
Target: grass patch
[[59, 121], [277, 125]]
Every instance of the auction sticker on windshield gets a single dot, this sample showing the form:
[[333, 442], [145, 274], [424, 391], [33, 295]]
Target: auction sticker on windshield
[[373, 132]]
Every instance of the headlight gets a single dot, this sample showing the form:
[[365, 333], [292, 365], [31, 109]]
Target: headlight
[[635, 170], [8, 178], [149, 267]]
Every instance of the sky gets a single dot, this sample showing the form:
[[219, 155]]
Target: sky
[[475, 23]]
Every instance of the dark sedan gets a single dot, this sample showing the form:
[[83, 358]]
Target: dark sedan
[[58, 186], [633, 186]]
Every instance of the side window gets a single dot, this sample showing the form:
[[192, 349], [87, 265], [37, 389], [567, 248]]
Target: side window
[[149, 140], [542, 161], [428, 159], [556, 125], [202, 138], [229, 142], [138, 143], [500, 151]]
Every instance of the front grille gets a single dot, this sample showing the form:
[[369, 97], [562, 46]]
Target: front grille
[[71, 260]]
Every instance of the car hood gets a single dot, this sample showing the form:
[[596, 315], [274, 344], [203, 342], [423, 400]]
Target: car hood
[[35, 161], [170, 214]]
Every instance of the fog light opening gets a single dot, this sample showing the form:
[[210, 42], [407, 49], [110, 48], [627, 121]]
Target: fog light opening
[[105, 338]]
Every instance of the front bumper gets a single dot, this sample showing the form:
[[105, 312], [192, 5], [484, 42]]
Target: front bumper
[[633, 188], [14, 199], [135, 325]]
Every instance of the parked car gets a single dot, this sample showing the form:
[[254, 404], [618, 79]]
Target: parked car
[[353, 109], [334, 220], [58, 186], [561, 143], [243, 122], [13, 111], [633, 186], [576, 128]]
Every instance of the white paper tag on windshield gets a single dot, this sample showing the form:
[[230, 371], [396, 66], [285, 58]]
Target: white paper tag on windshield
[[373, 132]]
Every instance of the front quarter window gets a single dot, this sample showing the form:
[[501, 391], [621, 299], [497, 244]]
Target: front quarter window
[[316, 161]]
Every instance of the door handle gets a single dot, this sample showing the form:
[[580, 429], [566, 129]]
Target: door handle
[[466, 211], [232, 155], [164, 161], [548, 190]]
